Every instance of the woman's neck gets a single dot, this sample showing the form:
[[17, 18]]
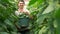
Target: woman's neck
[[20, 9]]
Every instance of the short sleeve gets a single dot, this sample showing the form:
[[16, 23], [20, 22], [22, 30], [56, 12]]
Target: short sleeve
[[28, 11], [16, 13]]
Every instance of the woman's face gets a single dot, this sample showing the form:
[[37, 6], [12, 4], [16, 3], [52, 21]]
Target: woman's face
[[21, 4]]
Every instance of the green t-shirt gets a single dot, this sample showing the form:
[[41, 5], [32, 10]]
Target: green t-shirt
[[23, 19]]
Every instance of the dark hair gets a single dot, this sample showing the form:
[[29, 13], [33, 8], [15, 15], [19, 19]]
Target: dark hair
[[22, 1]]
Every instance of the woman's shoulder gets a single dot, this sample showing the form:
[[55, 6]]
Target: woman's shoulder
[[26, 10], [16, 13]]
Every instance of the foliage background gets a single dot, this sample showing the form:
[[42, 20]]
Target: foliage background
[[46, 15]]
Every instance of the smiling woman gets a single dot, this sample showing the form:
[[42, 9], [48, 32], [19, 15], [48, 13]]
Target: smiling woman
[[23, 18]]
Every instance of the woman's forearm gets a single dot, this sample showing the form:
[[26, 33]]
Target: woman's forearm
[[17, 27]]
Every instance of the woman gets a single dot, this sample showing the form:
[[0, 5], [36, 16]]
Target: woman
[[24, 16]]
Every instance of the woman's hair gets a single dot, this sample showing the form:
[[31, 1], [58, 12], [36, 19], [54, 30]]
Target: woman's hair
[[21, 1]]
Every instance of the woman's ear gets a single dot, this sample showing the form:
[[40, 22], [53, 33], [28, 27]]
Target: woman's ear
[[18, 4]]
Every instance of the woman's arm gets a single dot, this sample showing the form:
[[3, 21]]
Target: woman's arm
[[28, 13], [17, 26], [16, 13]]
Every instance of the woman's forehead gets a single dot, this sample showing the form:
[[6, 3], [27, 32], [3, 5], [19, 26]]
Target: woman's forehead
[[20, 2]]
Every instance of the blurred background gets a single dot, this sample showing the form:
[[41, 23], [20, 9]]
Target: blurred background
[[46, 15]]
